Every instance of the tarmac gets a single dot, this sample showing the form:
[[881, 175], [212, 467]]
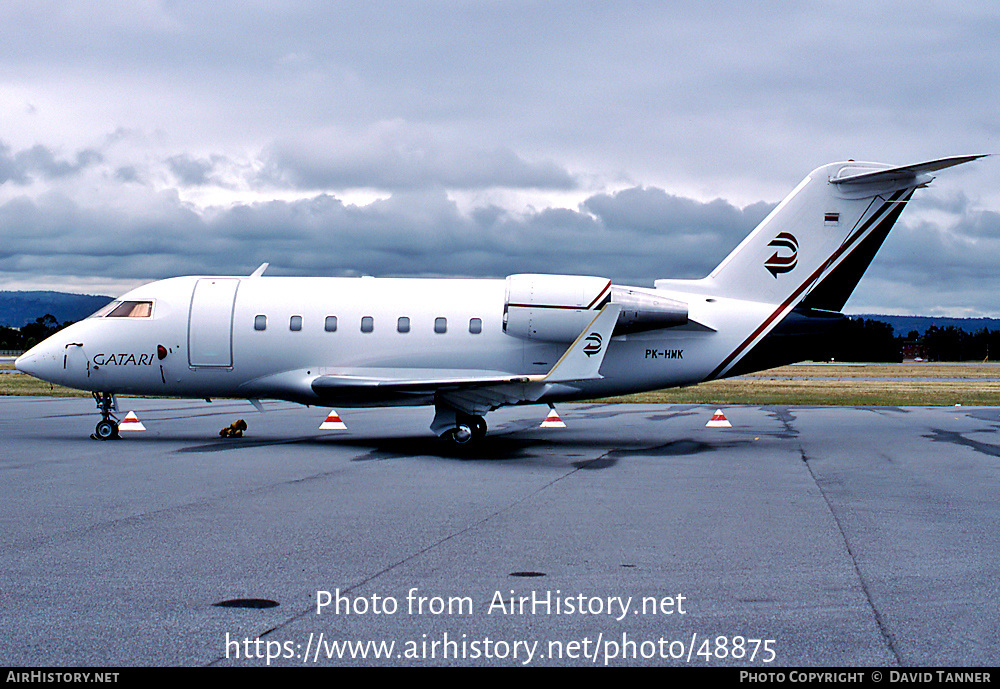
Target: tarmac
[[800, 536]]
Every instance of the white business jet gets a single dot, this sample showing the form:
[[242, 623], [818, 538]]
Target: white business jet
[[469, 346]]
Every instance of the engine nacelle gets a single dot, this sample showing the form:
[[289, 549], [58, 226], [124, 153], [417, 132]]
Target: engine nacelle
[[553, 308], [557, 308], [645, 310]]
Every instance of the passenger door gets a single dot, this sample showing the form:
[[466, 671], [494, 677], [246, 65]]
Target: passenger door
[[210, 323]]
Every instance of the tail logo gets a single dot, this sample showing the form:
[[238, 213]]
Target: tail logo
[[782, 264], [593, 346]]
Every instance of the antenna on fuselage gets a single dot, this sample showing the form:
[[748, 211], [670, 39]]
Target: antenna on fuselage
[[260, 271]]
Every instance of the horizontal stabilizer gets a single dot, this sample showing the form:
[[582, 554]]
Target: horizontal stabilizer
[[903, 172]]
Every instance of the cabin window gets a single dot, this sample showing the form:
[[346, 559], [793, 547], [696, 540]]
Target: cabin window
[[403, 324], [260, 323], [367, 324], [295, 323], [475, 325], [132, 309], [441, 325], [331, 324]]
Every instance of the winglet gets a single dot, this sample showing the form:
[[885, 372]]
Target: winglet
[[582, 361], [260, 270]]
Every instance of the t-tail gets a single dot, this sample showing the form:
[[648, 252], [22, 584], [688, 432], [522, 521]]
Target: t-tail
[[810, 252]]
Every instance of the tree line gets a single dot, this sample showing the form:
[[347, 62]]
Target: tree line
[[26, 337], [869, 339]]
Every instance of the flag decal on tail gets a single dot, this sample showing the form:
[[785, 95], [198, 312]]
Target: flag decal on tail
[[782, 264]]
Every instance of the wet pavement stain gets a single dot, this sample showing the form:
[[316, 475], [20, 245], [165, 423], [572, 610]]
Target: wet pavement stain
[[990, 415], [884, 410], [603, 462], [941, 436], [675, 448], [671, 415], [785, 417]]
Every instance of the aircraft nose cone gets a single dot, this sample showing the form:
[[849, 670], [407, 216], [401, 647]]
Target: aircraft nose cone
[[41, 361], [27, 362]]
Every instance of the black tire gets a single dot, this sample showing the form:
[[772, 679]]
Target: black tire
[[478, 428], [106, 430]]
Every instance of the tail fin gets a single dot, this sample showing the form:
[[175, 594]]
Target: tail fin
[[818, 242]]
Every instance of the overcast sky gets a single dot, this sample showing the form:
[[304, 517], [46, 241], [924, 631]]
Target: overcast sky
[[633, 140]]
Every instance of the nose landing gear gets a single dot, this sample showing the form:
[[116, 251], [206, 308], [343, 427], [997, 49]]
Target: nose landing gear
[[107, 427]]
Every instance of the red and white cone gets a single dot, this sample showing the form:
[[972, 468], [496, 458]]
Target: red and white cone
[[333, 422], [718, 420], [552, 420], [131, 422]]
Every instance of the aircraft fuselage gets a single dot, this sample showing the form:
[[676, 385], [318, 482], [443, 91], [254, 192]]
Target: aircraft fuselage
[[269, 336]]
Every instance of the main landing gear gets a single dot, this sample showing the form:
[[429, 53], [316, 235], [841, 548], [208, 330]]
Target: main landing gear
[[107, 427], [460, 428], [468, 429]]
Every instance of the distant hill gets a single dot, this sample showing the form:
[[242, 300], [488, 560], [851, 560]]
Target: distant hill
[[902, 325], [19, 308]]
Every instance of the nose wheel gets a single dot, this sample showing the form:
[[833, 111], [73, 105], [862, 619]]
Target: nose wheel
[[106, 430], [107, 427]]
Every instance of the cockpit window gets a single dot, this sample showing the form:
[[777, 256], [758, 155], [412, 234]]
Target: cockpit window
[[132, 309], [103, 311]]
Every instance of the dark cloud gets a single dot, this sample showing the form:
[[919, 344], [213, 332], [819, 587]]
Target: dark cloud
[[982, 224], [128, 173], [654, 210], [936, 268], [10, 169], [192, 171], [38, 161], [419, 232]]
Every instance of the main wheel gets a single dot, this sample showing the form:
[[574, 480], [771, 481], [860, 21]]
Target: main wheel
[[460, 434], [106, 430]]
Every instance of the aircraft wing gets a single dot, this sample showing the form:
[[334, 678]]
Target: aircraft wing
[[472, 391], [469, 390], [412, 380]]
